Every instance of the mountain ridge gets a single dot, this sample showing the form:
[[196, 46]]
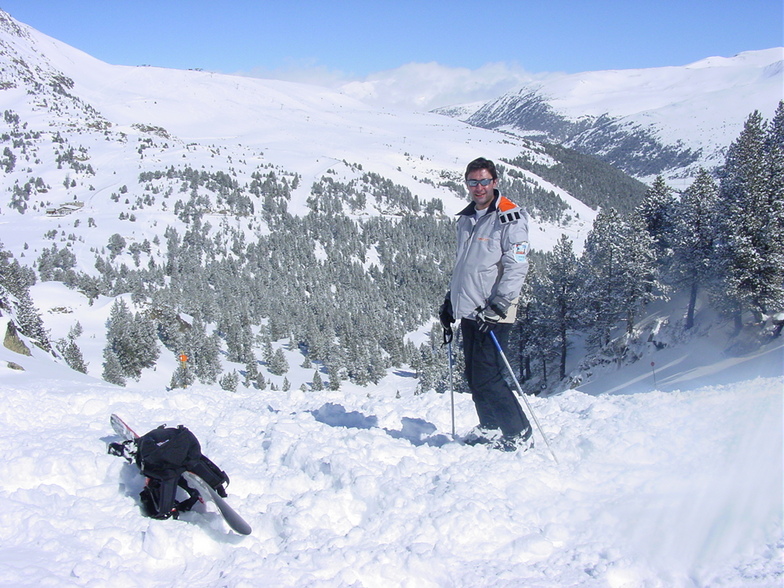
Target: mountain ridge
[[659, 121], [62, 102]]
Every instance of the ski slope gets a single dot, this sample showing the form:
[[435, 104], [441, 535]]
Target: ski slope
[[677, 485]]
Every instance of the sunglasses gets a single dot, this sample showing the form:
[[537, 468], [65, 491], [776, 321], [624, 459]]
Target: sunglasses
[[484, 182]]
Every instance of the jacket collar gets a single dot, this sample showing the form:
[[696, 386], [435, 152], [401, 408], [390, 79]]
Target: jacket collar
[[470, 210]]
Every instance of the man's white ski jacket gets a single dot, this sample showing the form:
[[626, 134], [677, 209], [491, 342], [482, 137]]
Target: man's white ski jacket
[[492, 259]]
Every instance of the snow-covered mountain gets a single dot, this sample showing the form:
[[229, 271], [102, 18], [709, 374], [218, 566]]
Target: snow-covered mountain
[[102, 164], [76, 128], [667, 120]]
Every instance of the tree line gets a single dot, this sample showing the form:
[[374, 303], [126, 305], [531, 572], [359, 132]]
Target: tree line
[[345, 287], [721, 241]]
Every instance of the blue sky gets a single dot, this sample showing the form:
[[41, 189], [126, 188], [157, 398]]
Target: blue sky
[[356, 38], [331, 42]]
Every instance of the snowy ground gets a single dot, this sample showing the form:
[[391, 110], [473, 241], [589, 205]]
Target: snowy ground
[[673, 487]]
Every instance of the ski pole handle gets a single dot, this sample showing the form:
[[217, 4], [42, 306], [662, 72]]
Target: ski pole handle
[[448, 334]]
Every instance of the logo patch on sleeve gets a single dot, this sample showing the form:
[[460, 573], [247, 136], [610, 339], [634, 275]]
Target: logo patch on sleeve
[[520, 251]]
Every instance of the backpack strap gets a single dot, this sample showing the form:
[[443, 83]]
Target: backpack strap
[[211, 474], [158, 498], [193, 497]]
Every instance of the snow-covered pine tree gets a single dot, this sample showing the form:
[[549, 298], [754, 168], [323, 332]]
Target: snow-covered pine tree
[[744, 230], [182, 377], [229, 381], [560, 293], [602, 264], [112, 370], [203, 352], [693, 239], [773, 295], [333, 372], [30, 322], [132, 340], [640, 279], [72, 354], [621, 274], [278, 364], [17, 279], [656, 213], [267, 350], [317, 384], [519, 350], [541, 332], [251, 373]]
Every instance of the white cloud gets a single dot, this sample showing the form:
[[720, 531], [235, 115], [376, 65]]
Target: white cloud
[[425, 86], [418, 86]]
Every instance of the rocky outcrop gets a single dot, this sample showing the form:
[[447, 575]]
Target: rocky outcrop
[[13, 342]]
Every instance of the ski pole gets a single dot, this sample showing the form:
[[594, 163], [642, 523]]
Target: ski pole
[[448, 341], [520, 392]]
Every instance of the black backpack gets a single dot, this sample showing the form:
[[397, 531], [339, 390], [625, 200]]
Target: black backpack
[[163, 455]]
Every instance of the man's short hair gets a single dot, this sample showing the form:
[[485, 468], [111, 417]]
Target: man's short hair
[[481, 163]]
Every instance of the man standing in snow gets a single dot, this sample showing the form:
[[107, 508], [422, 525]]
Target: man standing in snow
[[490, 268]]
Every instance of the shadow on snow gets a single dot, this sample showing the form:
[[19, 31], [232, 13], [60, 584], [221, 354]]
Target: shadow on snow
[[415, 431]]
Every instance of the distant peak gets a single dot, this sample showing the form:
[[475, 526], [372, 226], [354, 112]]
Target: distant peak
[[9, 25]]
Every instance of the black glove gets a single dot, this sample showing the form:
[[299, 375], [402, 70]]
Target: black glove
[[488, 317], [445, 314]]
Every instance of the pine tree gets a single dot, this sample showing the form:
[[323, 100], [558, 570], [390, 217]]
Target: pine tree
[[693, 238], [229, 381], [119, 343], [602, 266], [656, 212], [560, 292], [76, 331], [268, 351], [30, 322], [182, 377], [278, 365], [520, 337], [773, 268], [112, 370], [621, 274], [16, 280], [744, 251], [640, 281], [251, 374], [72, 354], [204, 352], [317, 384], [774, 146], [334, 377], [132, 340], [539, 331]]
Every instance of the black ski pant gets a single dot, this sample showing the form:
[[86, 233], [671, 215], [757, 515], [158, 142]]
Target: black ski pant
[[495, 402]]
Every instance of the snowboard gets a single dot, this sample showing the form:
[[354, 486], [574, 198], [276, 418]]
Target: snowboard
[[234, 520], [206, 494], [122, 429]]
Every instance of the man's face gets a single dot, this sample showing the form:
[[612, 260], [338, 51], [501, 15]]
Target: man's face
[[482, 195]]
